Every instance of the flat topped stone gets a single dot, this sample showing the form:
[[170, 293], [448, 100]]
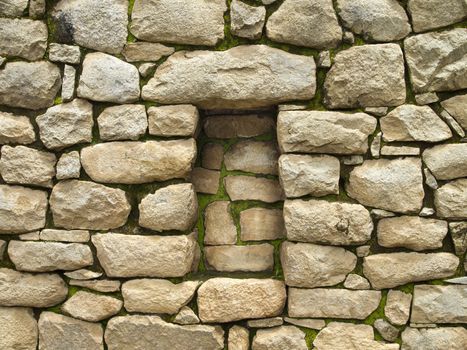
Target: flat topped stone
[[260, 224], [258, 157], [135, 162], [126, 122], [253, 188], [241, 77], [218, 224], [144, 51], [249, 258], [431, 14], [177, 120], [279, 338], [13, 8], [397, 308], [232, 126]]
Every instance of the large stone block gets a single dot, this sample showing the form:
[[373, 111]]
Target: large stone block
[[450, 200], [431, 14], [442, 338], [16, 129], [18, 328], [23, 38], [447, 162], [231, 258]]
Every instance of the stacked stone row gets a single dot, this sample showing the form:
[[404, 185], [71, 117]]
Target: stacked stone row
[[106, 242]]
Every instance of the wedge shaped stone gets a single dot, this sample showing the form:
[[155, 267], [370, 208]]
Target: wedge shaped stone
[[91, 307], [456, 106]]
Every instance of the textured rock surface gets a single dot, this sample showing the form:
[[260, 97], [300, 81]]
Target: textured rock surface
[[139, 162], [143, 51], [102, 286], [284, 337], [127, 122], [230, 258], [205, 180], [23, 38], [245, 77], [458, 232], [230, 126], [178, 120], [219, 225], [450, 200], [186, 316], [357, 282], [228, 299], [397, 308], [13, 8], [447, 161], [18, 328], [431, 14], [457, 107], [238, 338], [68, 166], [257, 224], [16, 129], [64, 53], [253, 188], [258, 157], [91, 307], [247, 21], [454, 338]]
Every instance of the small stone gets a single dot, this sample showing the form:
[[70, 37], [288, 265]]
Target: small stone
[[31, 236], [259, 157], [89, 206], [174, 207], [124, 122], [64, 53], [324, 132], [27, 166], [450, 200], [146, 69], [248, 258], [278, 338], [348, 38], [33, 290], [157, 296], [457, 107], [397, 308], [239, 338], [352, 160], [377, 111], [432, 14], [3, 245], [268, 2], [31, 85], [23, 38], [395, 185], [49, 256], [290, 107], [357, 282], [246, 21], [414, 123], [397, 151], [16, 129], [458, 231], [91, 307], [396, 269], [426, 212], [228, 299], [363, 251], [61, 332], [205, 180], [68, 83], [228, 127], [375, 147], [380, 214], [261, 224], [452, 338], [139, 161], [212, 156], [202, 22], [333, 223], [448, 161], [430, 180], [376, 20], [426, 98], [98, 25], [219, 225], [18, 328], [69, 166], [324, 59], [66, 124], [306, 322], [332, 303], [186, 316], [83, 274], [309, 265], [13, 8], [265, 322], [178, 120], [156, 256], [310, 23], [452, 123], [253, 188], [102, 286], [458, 280], [143, 332], [22, 209], [387, 331], [143, 51], [412, 232]]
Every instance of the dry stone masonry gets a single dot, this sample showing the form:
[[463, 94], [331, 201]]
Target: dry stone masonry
[[233, 174]]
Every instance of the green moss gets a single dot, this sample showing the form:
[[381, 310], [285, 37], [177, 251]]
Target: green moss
[[379, 312], [407, 288], [58, 100], [310, 335]]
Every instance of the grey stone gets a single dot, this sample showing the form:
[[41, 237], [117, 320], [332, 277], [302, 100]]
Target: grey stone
[[324, 59], [450, 200], [3, 245], [453, 338], [352, 160], [266, 322], [387, 331], [448, 161], [248, 258], [253, 188], [13, 8], [426, 211], [186, 316], [430, 180], [125, 122], [397, 308], [64, 53], [219, 225], [143, 51], [18, 328], [458, 232], [83, 274], [103, 286], [457, 107], [278, 338], [23, 38], [239, 338], [432, 14], [16, 129], [205, 180], [261, 224], [68, 83], [357, 282], [91, 307], [178, 120], [69, 166], [246, 21], [212, 156], [258, 157]]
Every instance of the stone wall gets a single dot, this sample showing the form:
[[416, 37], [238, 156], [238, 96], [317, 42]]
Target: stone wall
[[233, 174]]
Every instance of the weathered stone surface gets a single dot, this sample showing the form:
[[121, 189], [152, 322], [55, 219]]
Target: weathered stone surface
[[177, 120], [301, 175], [253, 188], [375, 148], [227, 299], [64, 53], [412, 232], [366, 76], [458, 232], [15, 129], [239, 338], [387, 331], [23, 38], [332, 303], [202, 22], [305, 23], [174, 207], [398, 151], [457, 107], [453, 338], [395, 269], [363, 250], [439, 304], [306, 322], [414, 123], [156, 256], [426, 98], [357, 282], [25, 289], [447, 161], [252, 156], [66, 124], [86, 205], [261, 224], [246, 21], [279, 338], [143, 51], [452, 123], [27, 166], [126, 122], [83, 274], [21, 209], [103, 286], [91, 307], [245, 76], [431, 14], [31, 85], [146, 69], [266, 322], [49, 256], [106, 78], [68, 83], [378, 20], [139, 162], [3, 245], [397, 308], [324, 132], [395, 184], [450, 200], [437, 60], [249, 258], [31, 236], [157, 296], [13, 8], [348, 336], [142, 332], [219, 225], [332, 222], [231, 126], [310, 265], [61, 332], [18, 328], [69, 166], [99, 25], [186, 316], [205, 180], [212, 156]]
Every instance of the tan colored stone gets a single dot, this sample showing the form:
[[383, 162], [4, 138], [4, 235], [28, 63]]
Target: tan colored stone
[[279, 338], [186, 316], [306, 322], [212, 156], [78, 236], [239, 338], [103, 286], [68, 83], [397, 308], [205, 180], [23, 38], [143, 51], [177, 120], [253, 188], [16, 129], [457, 107], [246, 21], [261, 224], [266, 322], [431, 14], [448, 161], [18, 328], [83, 274], [258, 157], [91, 307], [450, 200], [398, 151], [13, 8], [231, 258], [452, 338], [124, 122], [356, 282], [219, 225], [232, 126]]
